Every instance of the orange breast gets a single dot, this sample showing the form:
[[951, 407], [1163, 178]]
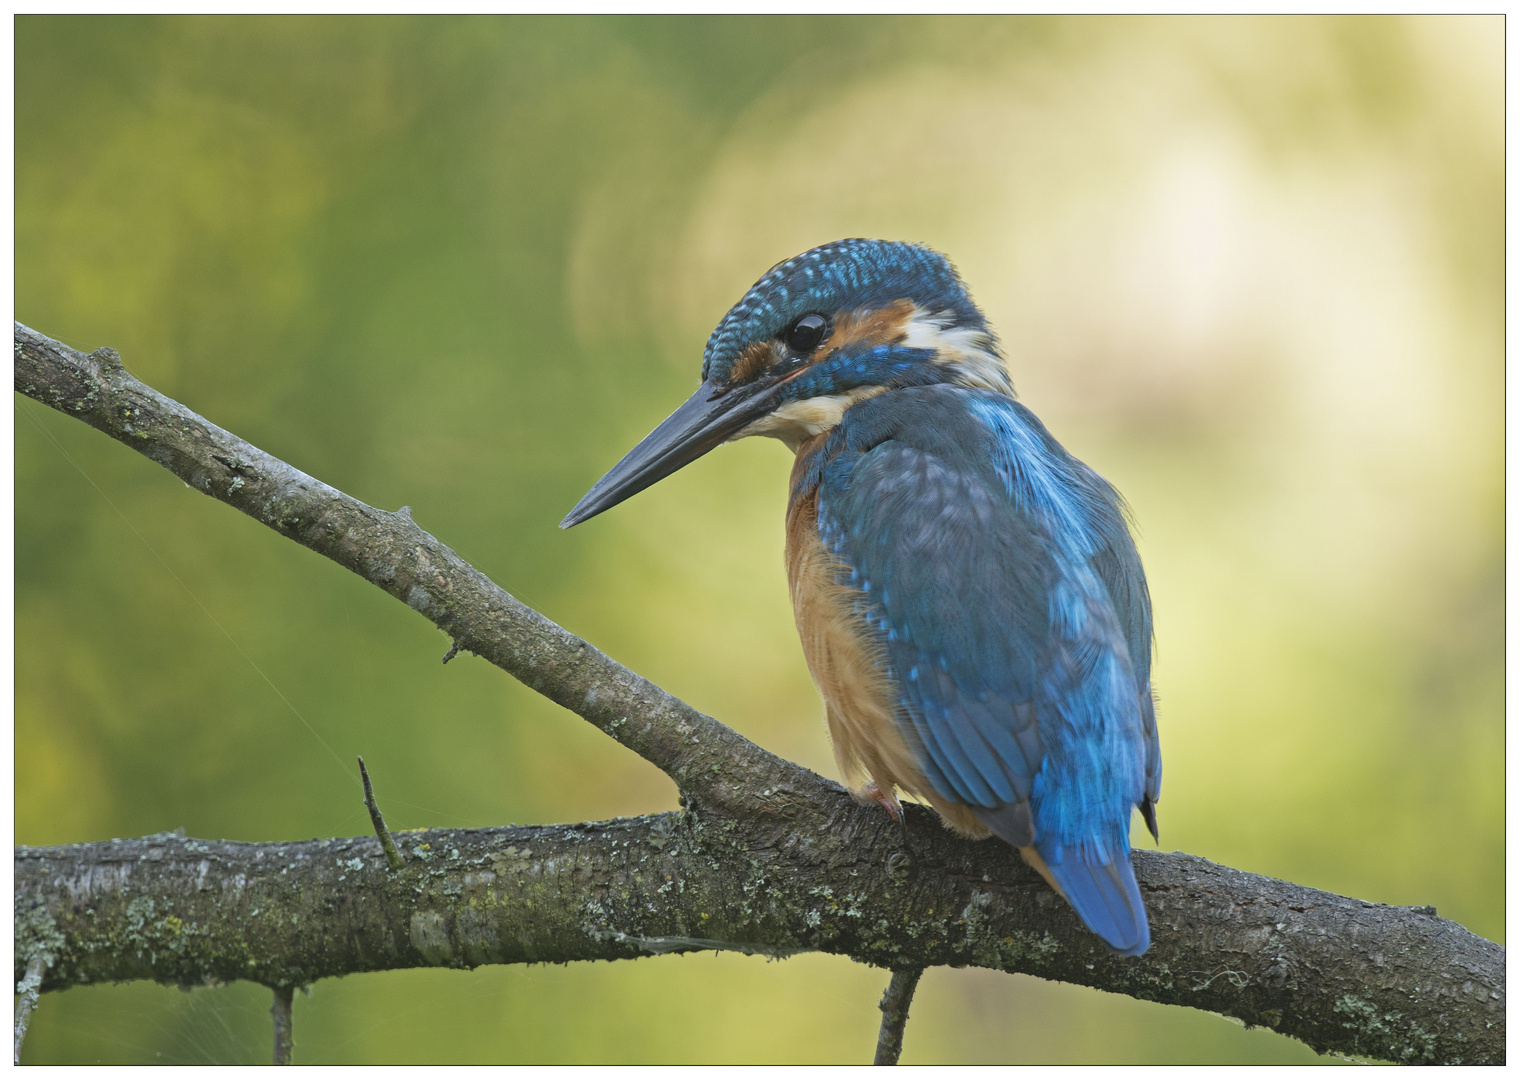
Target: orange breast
[[847, 667]]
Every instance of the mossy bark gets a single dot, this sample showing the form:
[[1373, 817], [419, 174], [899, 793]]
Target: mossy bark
[[810, 871]]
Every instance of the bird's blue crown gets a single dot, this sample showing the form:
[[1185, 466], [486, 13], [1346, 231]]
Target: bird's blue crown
[[856, 275]]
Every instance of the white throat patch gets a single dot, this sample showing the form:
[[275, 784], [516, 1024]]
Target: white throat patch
[[797, 421]]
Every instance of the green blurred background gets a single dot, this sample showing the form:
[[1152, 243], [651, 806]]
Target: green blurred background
[[1251, 270]]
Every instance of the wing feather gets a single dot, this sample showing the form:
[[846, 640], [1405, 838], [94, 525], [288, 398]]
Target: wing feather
[[939, 556]]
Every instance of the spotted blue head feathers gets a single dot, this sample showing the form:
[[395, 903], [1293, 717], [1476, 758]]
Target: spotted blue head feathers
[[847, 275]]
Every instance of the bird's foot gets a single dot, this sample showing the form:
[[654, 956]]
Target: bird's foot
[[888, 799]]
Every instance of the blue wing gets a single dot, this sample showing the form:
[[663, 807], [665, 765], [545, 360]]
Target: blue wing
[[1003, 582]]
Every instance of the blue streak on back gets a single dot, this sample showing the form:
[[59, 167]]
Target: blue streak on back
[[1096, 769], [1084, 509]]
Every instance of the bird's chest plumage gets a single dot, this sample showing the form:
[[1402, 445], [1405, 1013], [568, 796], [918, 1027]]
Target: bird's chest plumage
[[847, 662]]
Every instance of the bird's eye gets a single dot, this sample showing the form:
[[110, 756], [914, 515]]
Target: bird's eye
[[806, 333]]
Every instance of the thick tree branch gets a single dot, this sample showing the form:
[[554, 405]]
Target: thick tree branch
[[768, 858], [809, 872]]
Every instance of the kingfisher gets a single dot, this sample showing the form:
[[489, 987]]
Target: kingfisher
[[970, 601]]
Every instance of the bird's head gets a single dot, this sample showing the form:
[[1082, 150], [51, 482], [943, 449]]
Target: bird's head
[[818, 333]]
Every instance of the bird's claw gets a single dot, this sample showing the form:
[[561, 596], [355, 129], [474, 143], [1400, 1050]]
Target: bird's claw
[[888, 800]]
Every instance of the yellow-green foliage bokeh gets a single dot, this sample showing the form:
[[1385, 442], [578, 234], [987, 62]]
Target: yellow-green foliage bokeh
[[1250, 269]]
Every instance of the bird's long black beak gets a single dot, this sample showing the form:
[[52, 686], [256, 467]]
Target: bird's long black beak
[[711, 416]]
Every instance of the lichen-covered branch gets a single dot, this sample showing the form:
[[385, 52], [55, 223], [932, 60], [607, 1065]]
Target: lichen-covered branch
[[806, 869], [767, 858]]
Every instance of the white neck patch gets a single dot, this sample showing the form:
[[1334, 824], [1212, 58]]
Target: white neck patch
[[969, 351]]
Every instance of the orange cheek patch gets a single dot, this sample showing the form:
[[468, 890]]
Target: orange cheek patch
[[755, 358], [882, 326]]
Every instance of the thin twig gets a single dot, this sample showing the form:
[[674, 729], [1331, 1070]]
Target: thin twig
[[392, 856], [280, 1010], [29, 989], [894, 1014]]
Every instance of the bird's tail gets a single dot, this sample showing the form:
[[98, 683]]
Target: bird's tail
[[1106, 898]]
